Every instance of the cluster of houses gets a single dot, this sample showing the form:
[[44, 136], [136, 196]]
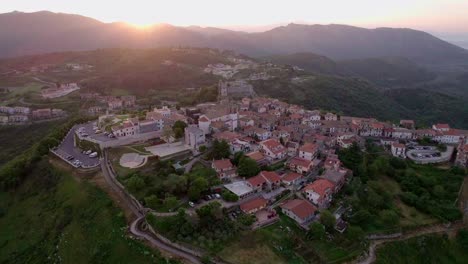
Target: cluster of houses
[[270, 131], [23, 115], [107, 102], [155, 120], [60, 91]]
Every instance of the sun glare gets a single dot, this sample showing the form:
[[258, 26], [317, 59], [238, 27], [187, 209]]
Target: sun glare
[[141, 26]]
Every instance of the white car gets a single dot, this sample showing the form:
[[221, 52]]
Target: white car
[[93, 155]]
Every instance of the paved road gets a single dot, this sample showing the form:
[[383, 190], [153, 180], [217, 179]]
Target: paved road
[[140, 213], [188, 166]]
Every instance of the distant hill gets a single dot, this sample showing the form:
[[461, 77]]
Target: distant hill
[[30, 33], [387, 71]]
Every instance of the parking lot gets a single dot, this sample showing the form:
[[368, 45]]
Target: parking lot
[[74, 155], [88, 129]]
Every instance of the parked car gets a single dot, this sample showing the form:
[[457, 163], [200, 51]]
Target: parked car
[[88, 152], [217, 196], [93, 155], [192, 204]]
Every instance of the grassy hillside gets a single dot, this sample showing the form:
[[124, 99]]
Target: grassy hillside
[[345, 95], [430, 107], [425, 249], [52, 218], [15, 139]]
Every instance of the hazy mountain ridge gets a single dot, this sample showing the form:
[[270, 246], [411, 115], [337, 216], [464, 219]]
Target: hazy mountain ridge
[[31, 33], [385, 71]]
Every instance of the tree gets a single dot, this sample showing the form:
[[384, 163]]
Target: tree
[[316, 231], [135, 183], [462, 238], [152, 201], [361, 217], [248, 167], [327, 219], [220, 150], [238, 156], [229, 196], [178, 128], [198, 186], [171, 202]]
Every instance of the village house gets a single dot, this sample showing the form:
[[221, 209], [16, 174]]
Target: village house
[[114, 104], [441, 127], [337, 176], [293, 148], [128, 127], [451, 136], [320, 192], [18, 118], [265, 180], [308, 151], [398, 150], [3, 119], [330, 117], [402, 133], [194, 137], [273, 149], [409, 124], [45, 113], [128, 100], [299, 210], [224, 169], [254, 205], [300, 165], [292, 178], [261, 134]]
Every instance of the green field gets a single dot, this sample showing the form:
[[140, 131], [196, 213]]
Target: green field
[[52, 218], [424, 249], [16, 139]]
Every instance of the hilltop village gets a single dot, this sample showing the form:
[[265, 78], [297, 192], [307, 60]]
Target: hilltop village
[[287, 151]]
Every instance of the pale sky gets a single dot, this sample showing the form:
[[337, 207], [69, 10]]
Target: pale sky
[[442, 16]]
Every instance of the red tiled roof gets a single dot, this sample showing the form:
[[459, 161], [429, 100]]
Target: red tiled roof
[[273, 145], [226, 135], [377, 125], [308, 147], [257, 155], [296, 161], [270, 176], [222, 164], [291, 176], [398, 145], [256, 180], [203, 119], [320, 186], [301, 208], [256, 203], [442, 126]]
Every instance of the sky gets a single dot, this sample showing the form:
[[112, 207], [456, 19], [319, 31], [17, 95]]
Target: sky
[[447, 18]]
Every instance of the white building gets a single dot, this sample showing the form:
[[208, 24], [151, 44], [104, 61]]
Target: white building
[[194, 137], [398, 150]]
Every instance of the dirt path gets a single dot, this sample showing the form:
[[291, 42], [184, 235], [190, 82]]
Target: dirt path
[[441, 228]]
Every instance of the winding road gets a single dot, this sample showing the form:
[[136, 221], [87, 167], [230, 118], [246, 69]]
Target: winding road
[[140, 212]]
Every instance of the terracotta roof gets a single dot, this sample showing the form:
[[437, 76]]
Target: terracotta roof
[[273, 145], [256, 203], [296, 161], [226, 135], [257, 155], [270, 176], [301, 208], [442, 126], [320, 186], [203, 119], [378, 125], [308, 147], [291, 176], [256, 180], [398, 145], [222, 164]]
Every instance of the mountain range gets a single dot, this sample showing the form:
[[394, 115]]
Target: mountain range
[[40, 32]]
